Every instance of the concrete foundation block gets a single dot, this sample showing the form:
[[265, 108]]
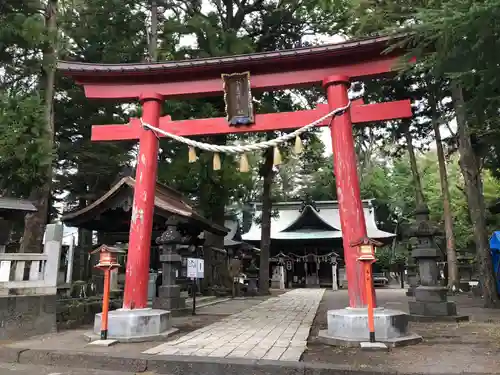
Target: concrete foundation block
[[169, 291], [431, 293], [430, 308], [169, 303], [349, 327], [135, 325]]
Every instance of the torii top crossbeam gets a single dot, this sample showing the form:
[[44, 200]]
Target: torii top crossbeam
[[270, 71], [333, 66]]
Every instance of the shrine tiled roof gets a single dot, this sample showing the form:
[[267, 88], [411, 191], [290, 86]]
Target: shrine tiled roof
[[167, 202], [364, 45], [284, 225], [15, 204]]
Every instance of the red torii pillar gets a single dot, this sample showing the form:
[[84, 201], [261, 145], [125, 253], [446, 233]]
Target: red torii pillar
[[120, 86], [141, 224], [352, 217]]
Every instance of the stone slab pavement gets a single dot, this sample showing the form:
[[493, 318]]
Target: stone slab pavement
[[275, 329]]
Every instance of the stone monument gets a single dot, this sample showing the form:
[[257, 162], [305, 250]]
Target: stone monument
[[431, 301]]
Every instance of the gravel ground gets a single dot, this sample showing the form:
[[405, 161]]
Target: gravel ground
[[447, 347]]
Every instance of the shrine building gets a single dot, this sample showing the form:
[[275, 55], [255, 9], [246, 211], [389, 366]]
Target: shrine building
[[306, 238]]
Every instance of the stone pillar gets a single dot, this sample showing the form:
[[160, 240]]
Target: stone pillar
[[169, 293], [334, 275], [52, 247], [70, 256], [431, 302], [278, 278]]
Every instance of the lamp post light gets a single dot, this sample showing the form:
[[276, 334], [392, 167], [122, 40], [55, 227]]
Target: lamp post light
[[367, 257], [107, 262]]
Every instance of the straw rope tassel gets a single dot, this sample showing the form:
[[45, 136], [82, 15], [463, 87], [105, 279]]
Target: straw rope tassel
[[244, 166], [192, 154], [216, 161], [276, 156], [299, 147]]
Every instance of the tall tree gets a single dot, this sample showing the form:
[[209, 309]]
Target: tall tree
[[451, 254], [471, 169], [456, 39], [34, 223]]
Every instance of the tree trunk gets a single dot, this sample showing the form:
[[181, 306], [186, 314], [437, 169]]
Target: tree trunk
[[153, 41], [419, 193], [34, 223], [451, 254], [469, 165], [265, 239]]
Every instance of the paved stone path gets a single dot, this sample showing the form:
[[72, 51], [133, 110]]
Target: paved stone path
[[276, 329]]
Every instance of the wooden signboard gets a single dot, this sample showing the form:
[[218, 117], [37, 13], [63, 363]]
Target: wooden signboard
[[238, 99]]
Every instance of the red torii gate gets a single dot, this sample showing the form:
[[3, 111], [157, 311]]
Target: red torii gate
[[330, 65]]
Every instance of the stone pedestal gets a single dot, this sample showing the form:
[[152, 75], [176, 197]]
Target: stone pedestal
[[252, 273], [413, 279], [431, 301], [169, 293], [135, 325], [349, 327]]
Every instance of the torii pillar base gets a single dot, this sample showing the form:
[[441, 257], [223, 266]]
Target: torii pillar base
[[349, 327], [138, 325]]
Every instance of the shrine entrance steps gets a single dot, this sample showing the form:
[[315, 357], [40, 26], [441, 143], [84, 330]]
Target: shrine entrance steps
[[276, 329]]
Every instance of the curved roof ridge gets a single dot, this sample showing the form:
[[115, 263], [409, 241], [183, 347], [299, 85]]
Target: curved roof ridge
[[308, 209], [76, 66]]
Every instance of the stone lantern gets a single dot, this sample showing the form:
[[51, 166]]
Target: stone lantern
[[169, 293], [431, 302]]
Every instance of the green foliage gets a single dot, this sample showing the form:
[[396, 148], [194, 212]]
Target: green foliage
[[94, 31], [23, 151]]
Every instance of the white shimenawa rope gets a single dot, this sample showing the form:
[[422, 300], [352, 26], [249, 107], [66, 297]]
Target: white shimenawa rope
[[240, 149]]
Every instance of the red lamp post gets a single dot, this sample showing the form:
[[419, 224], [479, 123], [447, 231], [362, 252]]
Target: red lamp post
[[367, 258], [107, 262]]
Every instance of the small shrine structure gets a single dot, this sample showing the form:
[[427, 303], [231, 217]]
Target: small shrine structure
[[306, 238], [112, 214], [11, 209]]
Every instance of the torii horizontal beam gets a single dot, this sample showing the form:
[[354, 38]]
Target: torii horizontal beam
[[202, 87], [360, 113]]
